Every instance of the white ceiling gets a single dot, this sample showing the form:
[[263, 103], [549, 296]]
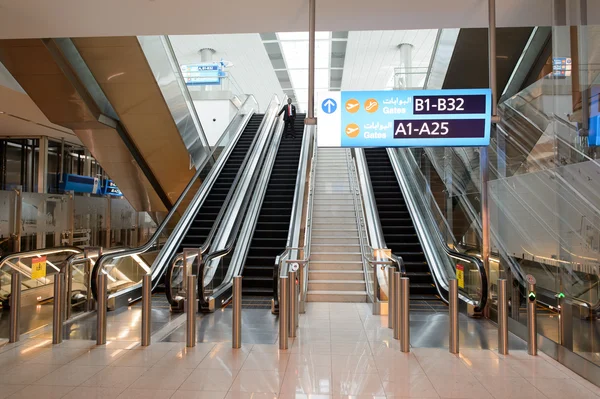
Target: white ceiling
[[371, 56], [84, 18], [251, 71]]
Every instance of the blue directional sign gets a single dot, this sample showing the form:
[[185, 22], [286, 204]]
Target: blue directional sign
[[410, 118], [329, 106]]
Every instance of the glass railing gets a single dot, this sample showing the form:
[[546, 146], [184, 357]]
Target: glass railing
[[126, 269]]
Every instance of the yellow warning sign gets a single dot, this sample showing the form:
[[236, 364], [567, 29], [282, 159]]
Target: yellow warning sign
[[460, 276], [38, 267]]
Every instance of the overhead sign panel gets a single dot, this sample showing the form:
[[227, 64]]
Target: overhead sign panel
[[408, 118], [202, 74]]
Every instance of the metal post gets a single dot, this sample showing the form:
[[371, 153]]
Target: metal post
[[454, 341], [391, 295], [293, 304], [502, 317], [146, 309], [531, 320], [301, 288], [565, 323], [15, 306], [107, 222], [191, 311], [310, 117], [283, 312], [69, 293], [483, 153], [397, 308], [236, 333], [101, 318], [71, 219], [404, 314], [18, 218], [57, 312]]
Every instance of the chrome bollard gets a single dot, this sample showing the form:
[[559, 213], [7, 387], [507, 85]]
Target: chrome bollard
[[531, 318], [101, 312], [454, 341], [397, 309], [293, 291], [190, 330], [283, 312], [57, 312], [391, 296], [404, 320], [236, 326], [15, 307], [146, 309], [502, 317]]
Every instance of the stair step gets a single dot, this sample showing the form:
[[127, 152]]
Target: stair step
[[336, 256], [318, 275], [335, 265], [336, 285], [337, 296]]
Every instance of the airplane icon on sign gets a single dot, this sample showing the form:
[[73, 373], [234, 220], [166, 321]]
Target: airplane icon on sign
[[351, 106]]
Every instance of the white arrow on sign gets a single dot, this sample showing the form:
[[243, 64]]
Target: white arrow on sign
[[329, 103]]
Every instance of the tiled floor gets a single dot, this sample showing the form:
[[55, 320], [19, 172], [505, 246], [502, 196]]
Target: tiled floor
[[341, 351]]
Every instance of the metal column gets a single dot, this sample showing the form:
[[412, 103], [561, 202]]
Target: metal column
[[146, 309], [502, 317], [293, 304], [483, 153], [236, 326], [15, 307], [391, 294], [283, 312], [101, 312], [57, 312], [531, 319], [454, 330], [190, 328], [310, 117], [108, 226], [404, 314]]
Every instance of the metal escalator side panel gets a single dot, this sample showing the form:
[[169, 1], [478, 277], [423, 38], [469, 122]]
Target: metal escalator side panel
[[169, 234], [164, 65], [122, 71], [56, 93]]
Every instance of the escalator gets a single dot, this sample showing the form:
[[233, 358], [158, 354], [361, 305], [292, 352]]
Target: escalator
[[271, 230], [207, 214], [397, 225]]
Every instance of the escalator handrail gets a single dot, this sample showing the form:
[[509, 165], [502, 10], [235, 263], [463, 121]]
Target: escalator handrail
[[394, 160], [293, 238], [257, 194], [307, 152], [267, 126], [216, 224], [6, 260], [157, 234]]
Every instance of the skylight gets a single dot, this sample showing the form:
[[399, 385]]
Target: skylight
[[294, 46]]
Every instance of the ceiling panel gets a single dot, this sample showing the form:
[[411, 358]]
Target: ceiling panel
[[371, 56], [252, 71]]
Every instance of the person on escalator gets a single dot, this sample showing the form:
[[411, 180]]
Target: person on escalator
[[289, 117]]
